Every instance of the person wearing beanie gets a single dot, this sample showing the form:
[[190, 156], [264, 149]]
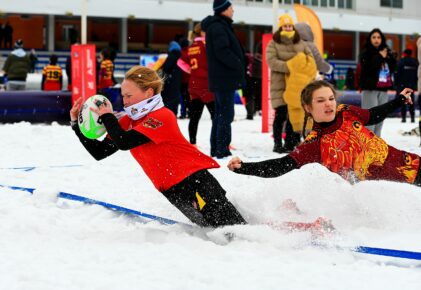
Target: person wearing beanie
[[17, 67], [220, 6], [226, 73], [285, 45], [18, 44]]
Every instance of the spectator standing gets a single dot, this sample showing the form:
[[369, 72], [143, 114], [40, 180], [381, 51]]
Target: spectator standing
[[196, 63], [248, 90], [226, 72], [34, 59], [256, 78], [8, 35], [419, 67], [406, 77], [17, 67], [184, 89], [419, 81], [349, 79], [106, 70], [1, 34], [52, 76], [377, 64], [172, 76], [284, 46]]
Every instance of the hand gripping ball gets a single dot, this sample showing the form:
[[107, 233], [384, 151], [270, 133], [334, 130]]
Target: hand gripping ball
[[89, 122]]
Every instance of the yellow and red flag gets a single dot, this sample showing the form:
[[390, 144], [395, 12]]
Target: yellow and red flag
[[305, 14]]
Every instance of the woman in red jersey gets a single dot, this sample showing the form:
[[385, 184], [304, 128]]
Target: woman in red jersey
[[341, 142], [175, 167], [196, 64]]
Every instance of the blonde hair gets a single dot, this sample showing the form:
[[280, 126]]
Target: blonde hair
[[197, 30], [145, 78]]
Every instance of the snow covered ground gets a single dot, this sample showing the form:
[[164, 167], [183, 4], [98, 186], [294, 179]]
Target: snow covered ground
[[50, 243]]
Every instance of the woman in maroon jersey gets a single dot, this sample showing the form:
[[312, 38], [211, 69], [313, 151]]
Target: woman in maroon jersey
[[340, 141], [150, 131], [196, 64]]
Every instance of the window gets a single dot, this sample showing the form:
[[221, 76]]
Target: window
[[391, 3], [323, 3], [287, 1], [332, 3], [341, 4], [348, 4], [315, 2]]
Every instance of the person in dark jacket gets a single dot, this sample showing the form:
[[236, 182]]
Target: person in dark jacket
[[377, 65], [226, 72], [17, 67], [406, 77], [172, 76], [184, 88], [2, 34], [8, 35]]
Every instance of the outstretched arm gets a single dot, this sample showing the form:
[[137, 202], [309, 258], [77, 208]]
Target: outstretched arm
[[267, 168], [379, 113]]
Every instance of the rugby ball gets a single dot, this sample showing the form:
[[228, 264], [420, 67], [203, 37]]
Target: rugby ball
[[89, 122]]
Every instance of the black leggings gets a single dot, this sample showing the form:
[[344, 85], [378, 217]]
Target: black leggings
[[202, 200], [292, 139], [196, 109], [417, 181]]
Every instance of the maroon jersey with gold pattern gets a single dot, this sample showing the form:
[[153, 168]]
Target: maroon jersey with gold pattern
[[348, 148]]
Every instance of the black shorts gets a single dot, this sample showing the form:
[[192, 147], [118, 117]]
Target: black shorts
[[202, 200]]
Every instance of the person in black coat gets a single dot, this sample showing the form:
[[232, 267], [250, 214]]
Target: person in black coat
[[226, 72], [377, 64], [8, 35], [406, 77], [172, 77]]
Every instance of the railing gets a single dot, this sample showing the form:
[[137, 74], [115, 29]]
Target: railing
[[122, 63]]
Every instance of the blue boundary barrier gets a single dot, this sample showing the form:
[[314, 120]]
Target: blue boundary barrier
[[44, 106], [110, 206], [30, 168], [359, 249]]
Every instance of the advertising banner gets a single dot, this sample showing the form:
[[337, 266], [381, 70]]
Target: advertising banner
[[83, 60], [268, 114]]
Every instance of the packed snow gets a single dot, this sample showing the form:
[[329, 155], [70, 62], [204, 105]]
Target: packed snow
[[51, 243]]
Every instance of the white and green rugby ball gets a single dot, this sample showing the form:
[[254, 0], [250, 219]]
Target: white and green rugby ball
[[89, 122]]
